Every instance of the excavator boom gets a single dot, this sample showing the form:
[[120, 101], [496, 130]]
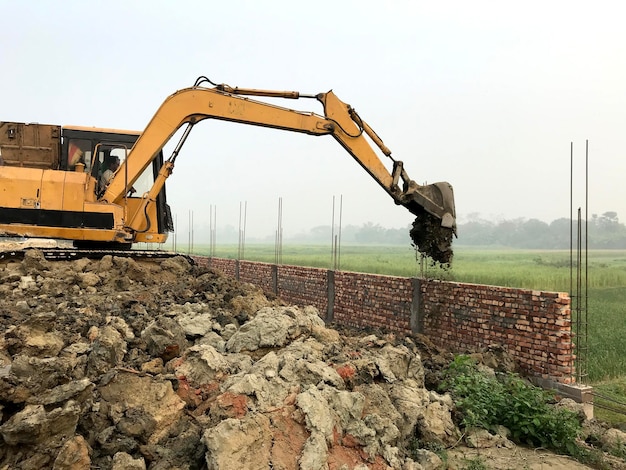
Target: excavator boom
[[432, 204]]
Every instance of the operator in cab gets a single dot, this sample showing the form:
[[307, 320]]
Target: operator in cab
[[112, 163]]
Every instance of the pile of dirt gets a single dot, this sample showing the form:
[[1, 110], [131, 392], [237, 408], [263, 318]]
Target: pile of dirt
[[124, 364]]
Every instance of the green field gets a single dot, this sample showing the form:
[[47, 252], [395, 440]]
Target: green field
[[603, 272]]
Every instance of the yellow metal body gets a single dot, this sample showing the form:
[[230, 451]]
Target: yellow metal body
[[192, 105], [133, 217], [55, 190]]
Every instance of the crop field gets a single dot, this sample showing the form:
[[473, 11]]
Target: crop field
[[603, 273]]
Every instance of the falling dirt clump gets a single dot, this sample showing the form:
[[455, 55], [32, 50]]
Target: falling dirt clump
[[124, 364], [431, 239]]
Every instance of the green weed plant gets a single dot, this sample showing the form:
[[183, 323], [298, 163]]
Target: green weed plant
[[486, 401]]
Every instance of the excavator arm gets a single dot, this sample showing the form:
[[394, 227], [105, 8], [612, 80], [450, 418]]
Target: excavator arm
[[433, 204]]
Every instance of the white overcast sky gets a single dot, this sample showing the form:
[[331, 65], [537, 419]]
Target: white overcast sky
[[487, 95]]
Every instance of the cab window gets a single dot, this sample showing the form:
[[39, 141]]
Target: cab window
[[79, 152], [143, 183]]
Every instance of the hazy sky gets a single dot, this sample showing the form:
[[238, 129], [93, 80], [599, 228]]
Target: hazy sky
[[487, 95]]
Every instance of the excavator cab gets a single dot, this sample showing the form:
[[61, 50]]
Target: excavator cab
[[46, 167], [98, 147]]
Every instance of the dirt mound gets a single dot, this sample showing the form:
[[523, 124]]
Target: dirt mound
[[124, 364]]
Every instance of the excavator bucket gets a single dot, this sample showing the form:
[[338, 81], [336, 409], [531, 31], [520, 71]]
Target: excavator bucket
[[435, 219]]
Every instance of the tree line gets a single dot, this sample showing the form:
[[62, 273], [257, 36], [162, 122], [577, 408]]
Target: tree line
[[603, 231]]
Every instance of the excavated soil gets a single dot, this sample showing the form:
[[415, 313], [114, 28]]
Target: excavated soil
[[431, 239], [124, 364]]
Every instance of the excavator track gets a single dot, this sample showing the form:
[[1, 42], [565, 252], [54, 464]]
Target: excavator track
[[68, 254]]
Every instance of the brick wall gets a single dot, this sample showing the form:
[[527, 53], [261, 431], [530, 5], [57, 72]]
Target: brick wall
[[304, 286], [257, 273], [226, 266], [363, 300], [533, 326]]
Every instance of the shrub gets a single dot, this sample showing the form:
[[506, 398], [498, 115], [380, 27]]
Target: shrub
[[506, 399]]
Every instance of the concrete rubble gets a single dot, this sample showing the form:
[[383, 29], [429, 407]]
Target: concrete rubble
[[124, 364]]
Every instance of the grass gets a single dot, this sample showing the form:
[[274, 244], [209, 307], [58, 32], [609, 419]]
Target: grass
[[532, 269], [610, 394], [391, 260], [604, 271], [606, 332]]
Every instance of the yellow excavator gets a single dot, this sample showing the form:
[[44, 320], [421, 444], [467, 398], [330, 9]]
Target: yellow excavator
[[65, 183]]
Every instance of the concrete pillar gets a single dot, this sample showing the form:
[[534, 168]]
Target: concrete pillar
[[275, 279], [416, 323], [330, 296]]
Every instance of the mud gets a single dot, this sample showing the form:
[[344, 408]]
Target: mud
[[431, 239]]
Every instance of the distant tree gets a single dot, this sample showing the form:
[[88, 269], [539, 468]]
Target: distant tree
[[398, 236], [608, 222], [533, 233], [611, 215], [476, 232], [604, 231], [506, 232], [370, 233], [349, 233], [320, 233], [560, 234]]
